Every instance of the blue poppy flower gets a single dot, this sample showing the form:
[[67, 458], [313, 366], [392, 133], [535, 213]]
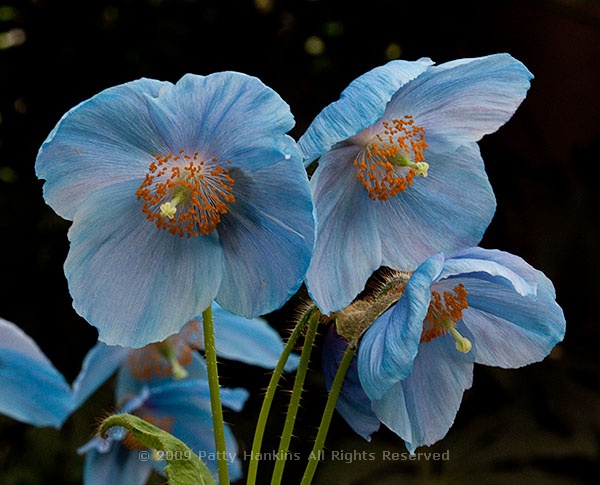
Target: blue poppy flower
[[181, 408], [400, 176], [250, 341], [33, 391], [166, 384], [179, 195], [416, 360]]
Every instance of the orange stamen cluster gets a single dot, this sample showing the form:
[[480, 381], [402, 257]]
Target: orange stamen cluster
[[151, 361], [386, 165], [198, 192], [443, 314]]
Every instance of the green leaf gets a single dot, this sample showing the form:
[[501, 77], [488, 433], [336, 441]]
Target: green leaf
[[183, 465]]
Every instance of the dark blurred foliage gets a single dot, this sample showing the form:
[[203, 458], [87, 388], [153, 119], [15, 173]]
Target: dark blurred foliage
[[539, 424]]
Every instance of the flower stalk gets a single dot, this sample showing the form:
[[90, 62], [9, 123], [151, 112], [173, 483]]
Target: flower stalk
[[210, 353]]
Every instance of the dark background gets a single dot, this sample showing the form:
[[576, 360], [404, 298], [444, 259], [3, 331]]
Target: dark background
[[539, 424]]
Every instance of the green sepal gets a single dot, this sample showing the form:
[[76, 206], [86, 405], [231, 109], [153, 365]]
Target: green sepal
[[183, 465]]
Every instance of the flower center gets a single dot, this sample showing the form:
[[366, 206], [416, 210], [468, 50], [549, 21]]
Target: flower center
[[442, 315], [184, 195], [388, 165], [166, 358]]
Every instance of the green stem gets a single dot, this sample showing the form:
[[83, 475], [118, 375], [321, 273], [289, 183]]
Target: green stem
[[210, 353], [288, 427], [270, 395], [334, 393]]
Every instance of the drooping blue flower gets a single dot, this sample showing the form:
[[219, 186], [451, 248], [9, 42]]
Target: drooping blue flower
[[416, 360], [166, 384], [32, 390], [179, 195], [400, 176]]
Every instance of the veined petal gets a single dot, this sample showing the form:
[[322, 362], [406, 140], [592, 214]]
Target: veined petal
[[496, 266], [434, 215], [210, 114], [251, 341], [389, 346], [353, 404], [510, 330], [267, 238], [462, 101], [347, 249], [360, 105], [104, 140], [98, 365], [421, 408], [136, 284], [33, 391]]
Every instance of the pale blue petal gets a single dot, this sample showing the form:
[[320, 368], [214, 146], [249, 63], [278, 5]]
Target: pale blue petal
[[360, 105], [347, 249], [493, 265], [462, 101], [352, 404], [389, 346], [135, 283], [510, 330], [267, 238], [421, 408], [188, 403], [33, 391], [227, 115], [107, 139], [444, 212], [119, 465], [251, 341], [98, 365]]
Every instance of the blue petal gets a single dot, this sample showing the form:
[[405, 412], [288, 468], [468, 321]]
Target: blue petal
[[251, 341], [129, 385], [188, 404], [119, 465], [347, 249], [267, 238], [495, 266], [352, 404], [106, 139], [434, 215], [33, 391], [510, 330], [421, 408], [135, 283], [98, 365], [387, 349], [211, 115], [459, 102], [361, 104]]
